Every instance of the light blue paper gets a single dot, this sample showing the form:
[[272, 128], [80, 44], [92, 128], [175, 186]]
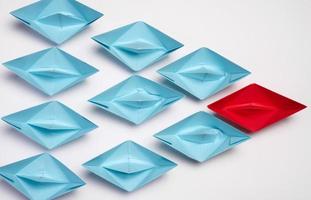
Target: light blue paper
[[136, 99], [51, 70], [201, 136], [203, 73], [129, 166], [50, 124], [137, 45], [57, 20], [40, 177]]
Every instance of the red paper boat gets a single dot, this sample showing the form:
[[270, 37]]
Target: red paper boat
[[255, 107]]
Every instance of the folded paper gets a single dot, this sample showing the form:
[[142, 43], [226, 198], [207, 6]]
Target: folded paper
[[129, 166], [255, 107], [201, 136], [137, 45], [203, 73], [57, 20], [51, 70], [136, 99], [40, 177], [50, 124]]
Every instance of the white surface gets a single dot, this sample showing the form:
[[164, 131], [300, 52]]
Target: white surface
[[269, 38]]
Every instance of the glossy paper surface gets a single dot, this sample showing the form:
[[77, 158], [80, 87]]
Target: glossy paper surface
[[50, 124], [51, 70], [129, 166], [255, 107], [203, 73], [40, 177], [136, 99], [137, 45], [201, 136], [57, 20]]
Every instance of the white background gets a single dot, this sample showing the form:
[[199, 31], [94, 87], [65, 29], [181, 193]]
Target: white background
[[270, 38]]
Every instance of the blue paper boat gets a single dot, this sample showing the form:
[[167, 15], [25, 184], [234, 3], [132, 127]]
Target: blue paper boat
[[57, 20], [129, 166], [136, 99], [50, 124], [51, 70], [203, 73], [137, 45], [40, 177], [201, 136]]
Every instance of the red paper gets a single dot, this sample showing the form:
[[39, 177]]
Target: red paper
[[255, 107]]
